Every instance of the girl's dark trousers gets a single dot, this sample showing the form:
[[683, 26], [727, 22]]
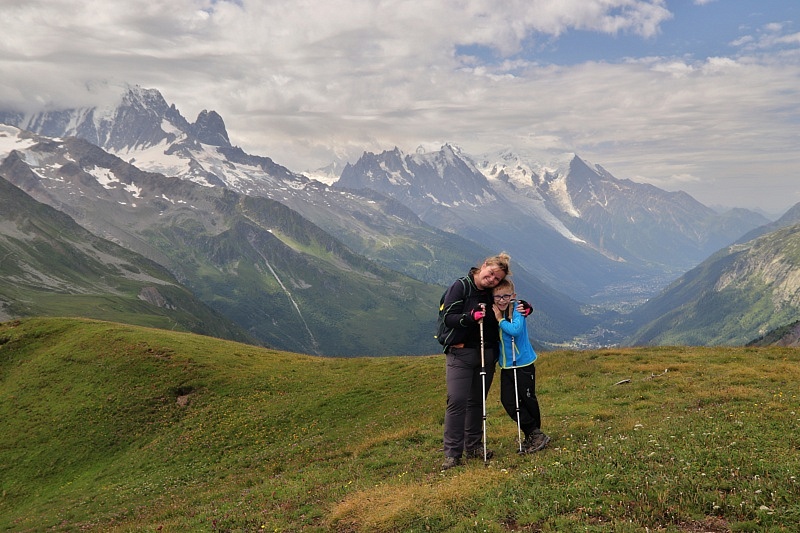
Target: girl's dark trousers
[[530, 418]]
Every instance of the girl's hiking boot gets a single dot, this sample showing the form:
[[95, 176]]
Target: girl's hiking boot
[[535, 442]]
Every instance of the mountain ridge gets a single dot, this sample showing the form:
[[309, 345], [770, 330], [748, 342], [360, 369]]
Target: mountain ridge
[[372, 225], [595, 231], [584, 244], [738, 294], [439, 186], [252, 259], [52, 265]]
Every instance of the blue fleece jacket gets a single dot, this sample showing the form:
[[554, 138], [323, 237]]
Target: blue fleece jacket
[[517, 330]]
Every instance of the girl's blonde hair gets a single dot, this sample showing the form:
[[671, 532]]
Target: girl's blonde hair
[[505, 283]]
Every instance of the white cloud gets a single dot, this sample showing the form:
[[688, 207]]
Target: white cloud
[[304, 81], [770, 36]]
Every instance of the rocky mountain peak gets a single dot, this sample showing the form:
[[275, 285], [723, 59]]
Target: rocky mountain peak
[[209, 128], [145, 99], [443, 176]]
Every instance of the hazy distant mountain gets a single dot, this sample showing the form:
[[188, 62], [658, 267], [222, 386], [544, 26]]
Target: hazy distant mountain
[[738, 294], [792, 216], [328, 174], [580, 229]]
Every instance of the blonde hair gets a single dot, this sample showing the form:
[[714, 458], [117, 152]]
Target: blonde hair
[[501, 261], [505, 283]]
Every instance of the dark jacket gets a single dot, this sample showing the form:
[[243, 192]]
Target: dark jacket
[[460, 300]]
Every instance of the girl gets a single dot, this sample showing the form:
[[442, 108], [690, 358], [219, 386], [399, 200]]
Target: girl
[[518, 373]]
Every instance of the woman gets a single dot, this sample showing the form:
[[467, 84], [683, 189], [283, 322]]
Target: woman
[[465, 304]]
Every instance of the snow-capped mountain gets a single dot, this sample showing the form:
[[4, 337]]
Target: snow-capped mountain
[[144, 130], [574, 224], [154, 136], [451, 180], [633, 221], [540, 185], [259, 262], [252, 260]]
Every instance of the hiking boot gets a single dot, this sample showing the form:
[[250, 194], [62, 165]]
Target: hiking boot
[[535, 442], [450, 462], [477, 453]]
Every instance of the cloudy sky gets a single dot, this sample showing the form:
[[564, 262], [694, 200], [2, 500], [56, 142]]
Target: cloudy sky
[[694, 95]]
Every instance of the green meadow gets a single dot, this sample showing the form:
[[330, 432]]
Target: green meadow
[[109, 427]]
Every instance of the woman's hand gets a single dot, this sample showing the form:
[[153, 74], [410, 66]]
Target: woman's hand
[[524, 308]]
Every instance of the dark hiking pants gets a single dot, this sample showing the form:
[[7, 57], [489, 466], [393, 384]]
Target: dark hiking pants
[[529, 416], [463, 418]]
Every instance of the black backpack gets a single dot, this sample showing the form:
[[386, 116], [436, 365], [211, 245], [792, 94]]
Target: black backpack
[[443, 333]]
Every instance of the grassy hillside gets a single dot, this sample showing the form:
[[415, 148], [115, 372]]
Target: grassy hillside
[[121, 428]]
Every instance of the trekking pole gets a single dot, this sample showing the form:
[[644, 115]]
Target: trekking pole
[[483, 379], [516, 391]]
